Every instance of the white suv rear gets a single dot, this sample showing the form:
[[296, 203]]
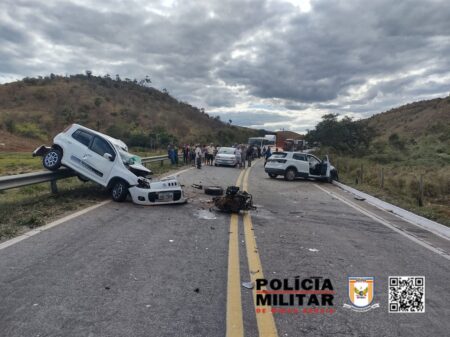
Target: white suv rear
[[292, 165]]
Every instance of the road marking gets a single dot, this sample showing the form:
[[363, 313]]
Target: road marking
[[385, 223], [50, 225], [235, 325], [265, 321], [67, 218]]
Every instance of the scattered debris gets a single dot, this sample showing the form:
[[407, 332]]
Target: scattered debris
[[359, 198], [107, 288], [197, 186], [212, 227], [234, 201], [205, 214], [214, 190], [171, 241], [313, 249], [254, 272], [197, 290], [248, 285]]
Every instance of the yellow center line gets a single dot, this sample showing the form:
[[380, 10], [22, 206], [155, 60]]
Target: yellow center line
[[265, 321], [235, 325]]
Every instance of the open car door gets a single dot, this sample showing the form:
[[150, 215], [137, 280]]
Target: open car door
[[325, 168]]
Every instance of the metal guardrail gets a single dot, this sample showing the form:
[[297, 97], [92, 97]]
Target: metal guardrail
[[26, 179]]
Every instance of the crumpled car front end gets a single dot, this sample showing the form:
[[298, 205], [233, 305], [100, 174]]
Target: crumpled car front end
[[163, 192]]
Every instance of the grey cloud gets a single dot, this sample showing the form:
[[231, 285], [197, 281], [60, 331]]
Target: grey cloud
[[294, 60]]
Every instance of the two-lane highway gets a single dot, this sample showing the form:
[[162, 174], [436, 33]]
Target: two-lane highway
[[127, 270]]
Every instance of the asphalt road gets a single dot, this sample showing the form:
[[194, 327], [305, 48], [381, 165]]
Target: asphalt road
[[127, 270]]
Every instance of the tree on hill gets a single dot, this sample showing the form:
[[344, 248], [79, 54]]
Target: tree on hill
[[346, 135]]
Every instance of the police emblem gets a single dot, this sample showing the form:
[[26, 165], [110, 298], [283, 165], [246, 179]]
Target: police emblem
[[360, 292]]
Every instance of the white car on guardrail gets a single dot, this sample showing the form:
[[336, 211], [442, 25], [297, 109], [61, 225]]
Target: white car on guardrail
[[106, 161], [293, 165]]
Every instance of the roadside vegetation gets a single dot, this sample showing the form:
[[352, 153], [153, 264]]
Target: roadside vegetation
[[32, 206], [36, 109], [402, 156]]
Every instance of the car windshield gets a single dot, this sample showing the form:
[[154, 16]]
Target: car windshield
[[129, 158], [227, 150], [278, 155]]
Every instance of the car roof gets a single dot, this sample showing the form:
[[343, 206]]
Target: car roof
[[114, 141]]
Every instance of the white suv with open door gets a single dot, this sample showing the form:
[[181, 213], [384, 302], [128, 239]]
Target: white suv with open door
[[106, 161], [293, 165]]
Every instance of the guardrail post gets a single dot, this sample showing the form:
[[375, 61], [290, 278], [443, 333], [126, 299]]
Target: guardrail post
[[420, 198], [382, 177], [161, 163], [53, 187], [361, 178]]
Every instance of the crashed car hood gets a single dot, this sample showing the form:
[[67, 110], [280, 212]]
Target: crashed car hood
[[139, 167]]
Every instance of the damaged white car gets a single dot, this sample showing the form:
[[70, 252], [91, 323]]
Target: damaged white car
[[106, 161]]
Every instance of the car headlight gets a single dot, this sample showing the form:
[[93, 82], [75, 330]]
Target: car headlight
[[143, 183]]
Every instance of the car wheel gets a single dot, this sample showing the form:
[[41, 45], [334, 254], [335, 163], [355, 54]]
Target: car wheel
[[52, 159], [82, 178], [214, 190], [272, 175], [119, 191], [290, 174]]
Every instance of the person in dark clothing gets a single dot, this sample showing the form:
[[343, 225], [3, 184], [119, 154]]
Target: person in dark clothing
[[268, 154], [250, 155]]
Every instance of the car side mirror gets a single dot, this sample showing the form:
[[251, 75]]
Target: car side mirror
[[108, 156]]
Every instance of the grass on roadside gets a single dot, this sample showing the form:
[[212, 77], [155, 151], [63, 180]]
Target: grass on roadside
[[32, 206], [401, 184]]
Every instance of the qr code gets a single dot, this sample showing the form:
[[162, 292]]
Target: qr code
[[406, 294]]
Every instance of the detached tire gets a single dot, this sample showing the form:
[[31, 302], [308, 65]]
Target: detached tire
[[52, 159], [214, 190], [290, 174], [119, 190]]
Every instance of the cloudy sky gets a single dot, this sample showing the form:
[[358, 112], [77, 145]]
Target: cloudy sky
[[270, 64]]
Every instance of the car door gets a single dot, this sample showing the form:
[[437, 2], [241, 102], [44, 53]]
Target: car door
[[325, 167], [78, 144], [301, 163], [95, 160], [314, 166]]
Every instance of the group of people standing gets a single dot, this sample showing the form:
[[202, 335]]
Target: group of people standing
[[198, 155]]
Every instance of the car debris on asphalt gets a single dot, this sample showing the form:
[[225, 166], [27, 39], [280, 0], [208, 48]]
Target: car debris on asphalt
[[234, 201], [248, 285]]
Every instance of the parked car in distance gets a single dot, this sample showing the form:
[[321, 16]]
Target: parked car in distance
[[293, 165], [106, 161], [225, 157]]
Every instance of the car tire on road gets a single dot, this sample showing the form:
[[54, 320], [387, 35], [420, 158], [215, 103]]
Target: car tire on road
[[52, 159], [273, 175], [214, 190], [119, 190], [290, 174]]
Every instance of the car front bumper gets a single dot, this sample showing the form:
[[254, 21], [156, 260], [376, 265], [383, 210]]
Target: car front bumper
[[228, 162], [149, 197]]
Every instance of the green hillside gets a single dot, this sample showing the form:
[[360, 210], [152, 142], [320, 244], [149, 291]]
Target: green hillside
[[33, 110]]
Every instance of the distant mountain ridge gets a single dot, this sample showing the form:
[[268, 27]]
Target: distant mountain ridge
[[33, 110]]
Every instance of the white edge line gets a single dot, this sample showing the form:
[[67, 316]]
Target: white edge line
[[387, 224], [52, 224], [414, 219]]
